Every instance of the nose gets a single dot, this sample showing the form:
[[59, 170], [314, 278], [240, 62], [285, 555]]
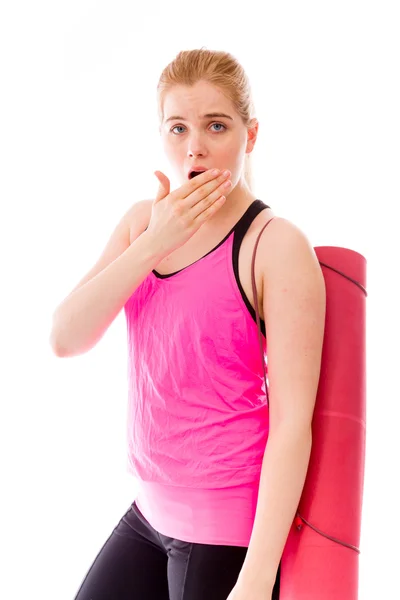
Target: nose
[[196, 146]]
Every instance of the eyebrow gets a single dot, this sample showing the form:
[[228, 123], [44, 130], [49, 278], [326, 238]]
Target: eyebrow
[[207, 116]]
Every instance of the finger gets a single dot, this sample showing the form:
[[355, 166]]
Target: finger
[[195, 183]]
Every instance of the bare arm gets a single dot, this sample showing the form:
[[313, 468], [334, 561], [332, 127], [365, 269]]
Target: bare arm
[[85, 315]]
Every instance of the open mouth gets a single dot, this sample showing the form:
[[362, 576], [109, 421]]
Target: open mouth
[[194, 174]]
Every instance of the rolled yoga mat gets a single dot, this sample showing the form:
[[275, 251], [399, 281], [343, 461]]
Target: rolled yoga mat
[[320, 560]]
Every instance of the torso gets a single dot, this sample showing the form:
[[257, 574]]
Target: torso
[[200, 244]]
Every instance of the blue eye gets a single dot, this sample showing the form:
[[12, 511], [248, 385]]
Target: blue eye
[[172, 130], [221, 124]]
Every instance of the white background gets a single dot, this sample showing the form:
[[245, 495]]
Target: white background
[[79, 144]]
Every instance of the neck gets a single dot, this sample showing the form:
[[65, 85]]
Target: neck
[[235, 205]]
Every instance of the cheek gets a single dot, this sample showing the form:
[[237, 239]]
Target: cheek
[[173, 150], [231, 154], [232, 161]]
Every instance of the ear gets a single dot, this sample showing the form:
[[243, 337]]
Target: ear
[[252, 132]]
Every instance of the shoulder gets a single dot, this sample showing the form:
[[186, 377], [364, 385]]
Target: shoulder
[[284, 248], [282, 229], [137, 218], [292, 278], [139, 209]]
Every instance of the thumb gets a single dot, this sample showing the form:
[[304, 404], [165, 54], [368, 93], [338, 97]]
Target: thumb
[[164, 187]]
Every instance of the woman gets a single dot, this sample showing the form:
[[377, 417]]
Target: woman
[[215, 501]]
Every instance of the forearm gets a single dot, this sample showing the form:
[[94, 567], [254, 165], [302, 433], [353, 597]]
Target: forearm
[[283, 475], [84, 316]]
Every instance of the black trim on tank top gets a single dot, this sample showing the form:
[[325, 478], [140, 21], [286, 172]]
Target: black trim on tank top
[[240, 229]]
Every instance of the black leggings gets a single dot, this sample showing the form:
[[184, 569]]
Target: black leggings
[[139, 563]]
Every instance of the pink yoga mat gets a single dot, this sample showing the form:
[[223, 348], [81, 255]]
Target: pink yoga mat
[[321, 556]]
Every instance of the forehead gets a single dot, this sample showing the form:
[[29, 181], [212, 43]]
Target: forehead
[[194, 101]]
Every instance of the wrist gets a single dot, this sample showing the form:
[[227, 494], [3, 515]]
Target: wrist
[[260, 581]]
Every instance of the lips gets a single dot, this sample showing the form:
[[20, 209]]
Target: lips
[[194, 171]]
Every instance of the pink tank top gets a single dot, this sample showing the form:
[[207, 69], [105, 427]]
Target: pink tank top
[[198, 418]]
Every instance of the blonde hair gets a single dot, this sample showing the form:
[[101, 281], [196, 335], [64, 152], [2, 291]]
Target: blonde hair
[[218, 68]]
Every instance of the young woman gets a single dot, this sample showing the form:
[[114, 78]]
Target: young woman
[[216, 501]]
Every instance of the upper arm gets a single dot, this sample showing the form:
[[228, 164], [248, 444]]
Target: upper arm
[[129, 227], [294, 306]]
